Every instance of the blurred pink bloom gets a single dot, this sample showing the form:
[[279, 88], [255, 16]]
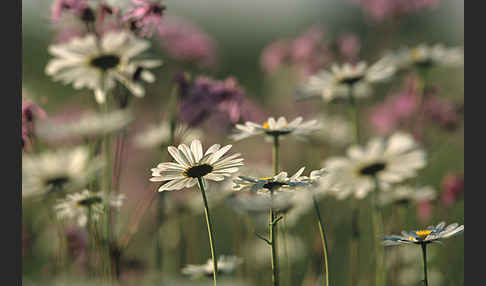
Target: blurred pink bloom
[[380, 10], [76, 241], [146, 15], [452, 189], [442, 112], [396, 110], [306, 53], [274, 55], [184, 41], [78, 7], [424, 211], [349, 47], [403, 108], [30, 114]]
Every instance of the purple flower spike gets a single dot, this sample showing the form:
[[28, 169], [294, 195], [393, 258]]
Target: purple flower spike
[[205, 98]]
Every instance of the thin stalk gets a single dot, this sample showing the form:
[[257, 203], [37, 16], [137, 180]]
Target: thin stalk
[[106, 187], [424, 252], [273, 223], [323, 239], [284, 235], [210, 228], [353, 257], [377, 219], [354, 114]]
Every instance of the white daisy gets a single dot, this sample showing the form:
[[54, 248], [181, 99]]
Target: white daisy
[[159, 135], [406, 194], [98, 63], [59, 170], [226, 265], [192, 164], [429, 235], [424, 56], [273, 128], [391, 160], [341, 80], [87, 126], [279, 182], [78, 206]]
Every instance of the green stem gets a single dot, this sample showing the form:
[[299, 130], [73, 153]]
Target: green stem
[[273, 224], [424, 252], [323, 238], [354, 114], [378, 230], [287, 258], [210, 228], [106, 187]]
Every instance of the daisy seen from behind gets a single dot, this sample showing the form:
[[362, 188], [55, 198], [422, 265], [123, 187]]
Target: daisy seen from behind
[[194, 167], [98, 63]]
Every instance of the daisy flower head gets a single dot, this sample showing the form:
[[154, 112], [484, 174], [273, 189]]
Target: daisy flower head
[[78, 206], [279, 182], [98, 64], [159, 135], [193, 165], [59, 170], [89, 125], [276, 128], [386, 160], [430, 234], [406, 194], [349, 79], [428, 56], [226, 265]]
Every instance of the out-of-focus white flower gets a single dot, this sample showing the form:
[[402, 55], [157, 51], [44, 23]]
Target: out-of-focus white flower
[[425, 56], [59, 170], [79, 206], [390, 160], [89, 125], [99, 64], [226, 265], [273, 127], [405, 194], [349, 79]]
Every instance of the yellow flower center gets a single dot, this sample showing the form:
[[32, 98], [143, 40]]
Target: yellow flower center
[[423, 233], [265, 178], [265, 125], [417, 55]]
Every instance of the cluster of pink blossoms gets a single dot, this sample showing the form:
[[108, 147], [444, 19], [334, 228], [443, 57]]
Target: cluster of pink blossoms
[[381, 10], [406, 109]]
